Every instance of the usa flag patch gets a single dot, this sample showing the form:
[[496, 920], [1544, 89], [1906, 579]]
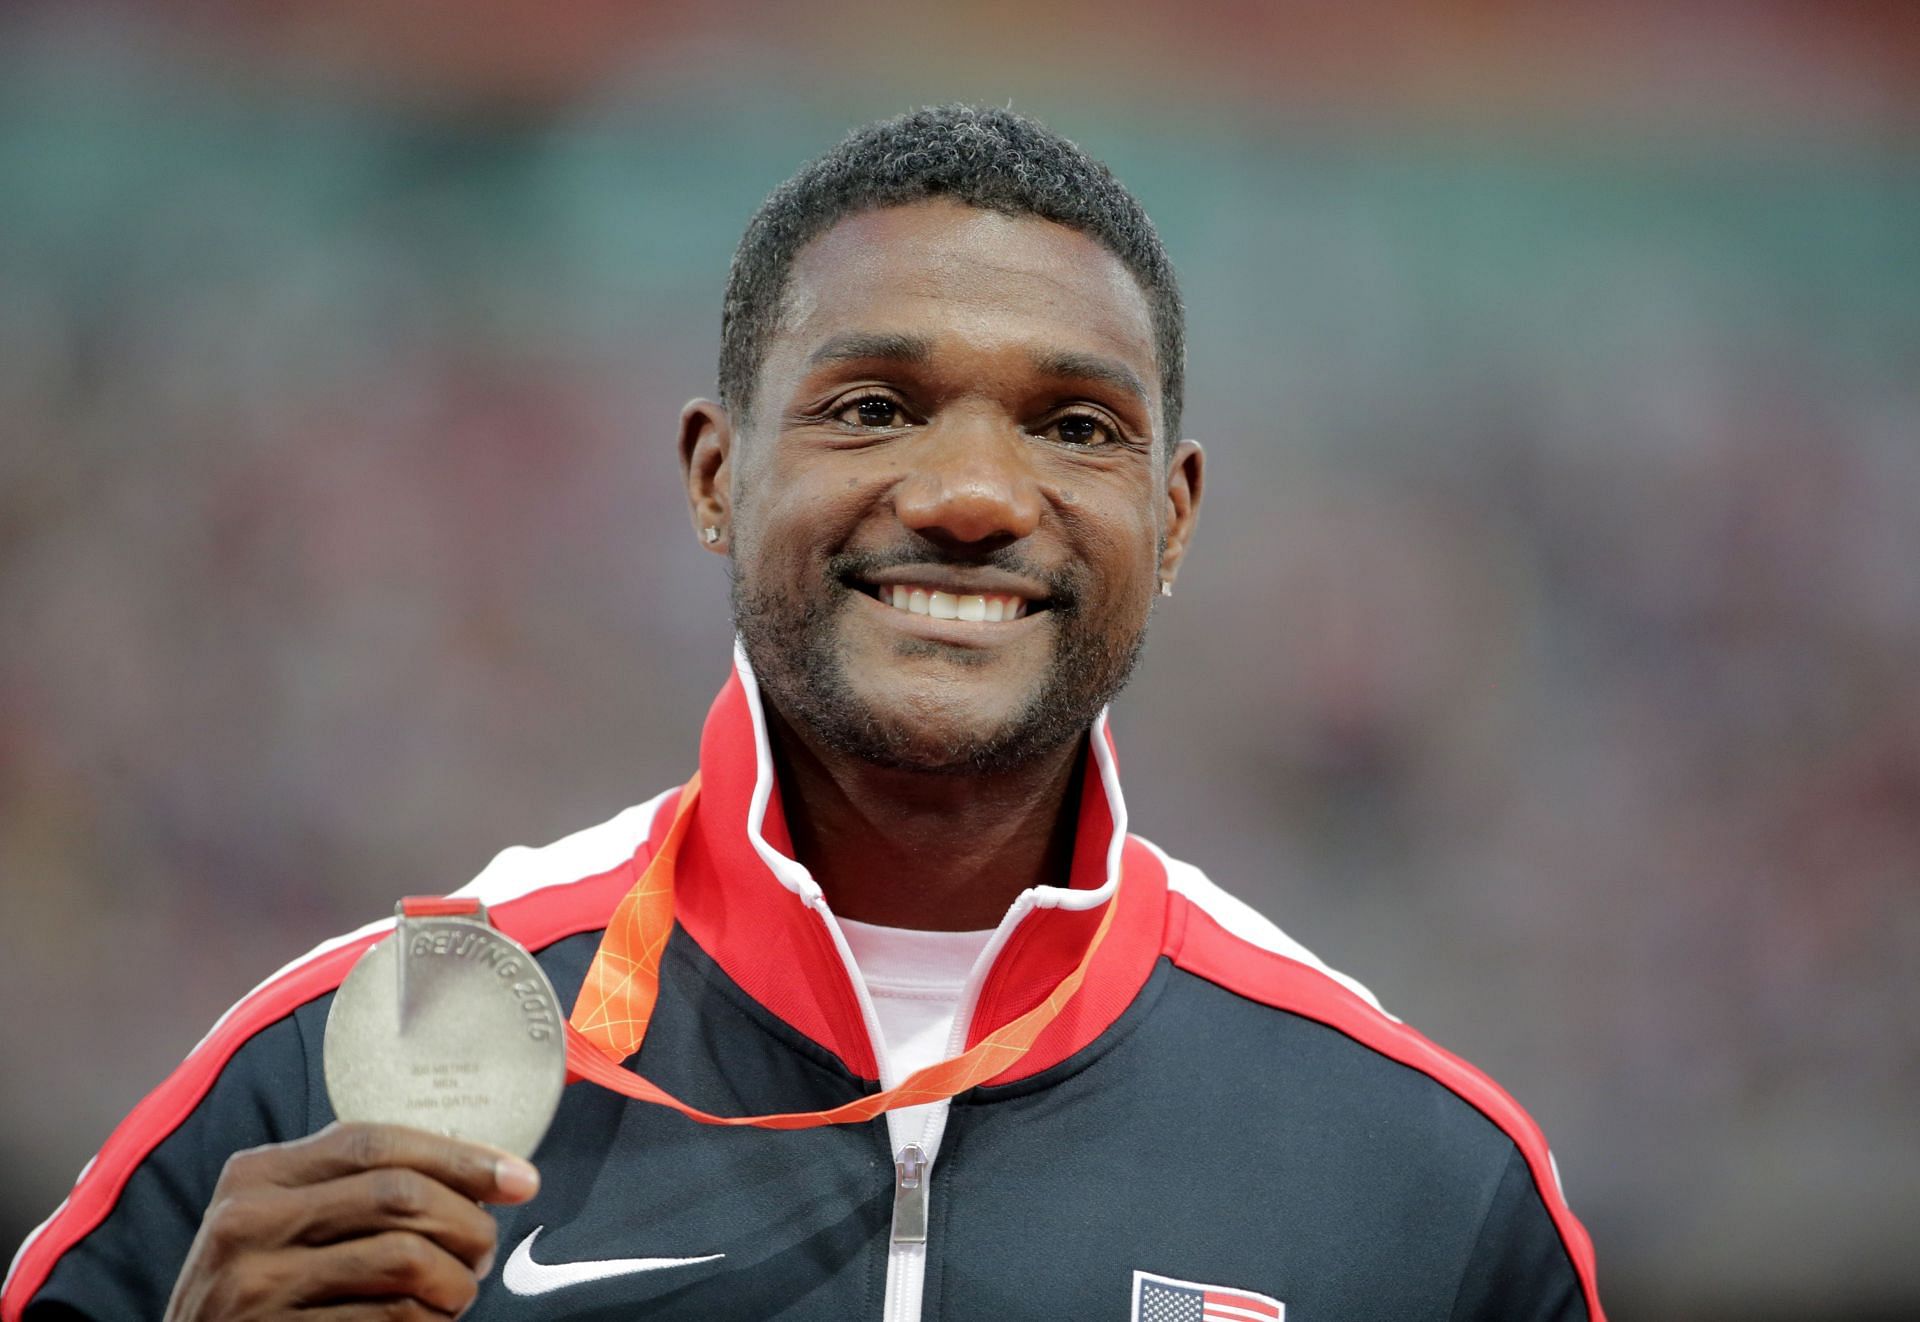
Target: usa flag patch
[[1163, 1299]]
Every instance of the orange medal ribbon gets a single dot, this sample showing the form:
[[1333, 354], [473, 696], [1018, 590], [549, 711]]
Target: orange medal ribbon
[[616, 1002]]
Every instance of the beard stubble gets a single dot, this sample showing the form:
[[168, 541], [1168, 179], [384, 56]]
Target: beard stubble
[[796, 655]]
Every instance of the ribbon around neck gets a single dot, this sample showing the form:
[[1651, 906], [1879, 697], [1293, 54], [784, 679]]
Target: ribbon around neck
[[610, 1018]]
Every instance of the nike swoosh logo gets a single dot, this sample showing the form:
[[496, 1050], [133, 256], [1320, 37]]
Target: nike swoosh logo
[[523, 1276]]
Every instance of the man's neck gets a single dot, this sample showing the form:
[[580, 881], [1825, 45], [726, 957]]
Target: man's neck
[[924, 850]]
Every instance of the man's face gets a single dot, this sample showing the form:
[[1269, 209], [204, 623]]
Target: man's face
[[950, 514]]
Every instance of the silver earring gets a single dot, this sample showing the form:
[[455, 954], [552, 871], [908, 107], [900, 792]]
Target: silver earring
[[710, 534], [1166, 588]]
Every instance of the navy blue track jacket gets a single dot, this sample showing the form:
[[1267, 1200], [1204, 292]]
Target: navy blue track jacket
[[1218, 1128]]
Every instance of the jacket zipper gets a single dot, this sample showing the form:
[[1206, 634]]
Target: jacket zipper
[[912, 1164], [910, 1169], [907, 1246]]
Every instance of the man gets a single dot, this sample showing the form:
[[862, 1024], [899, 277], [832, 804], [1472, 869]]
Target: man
[[945, 469]]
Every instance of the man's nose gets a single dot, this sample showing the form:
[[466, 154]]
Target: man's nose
[[973, 482]]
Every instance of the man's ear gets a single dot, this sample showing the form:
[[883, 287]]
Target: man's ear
[[1186, 480], [706, 465]]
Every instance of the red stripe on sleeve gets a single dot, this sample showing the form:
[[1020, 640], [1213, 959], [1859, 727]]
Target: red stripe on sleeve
[[1201, 945], [160, 1113], [536, 920]]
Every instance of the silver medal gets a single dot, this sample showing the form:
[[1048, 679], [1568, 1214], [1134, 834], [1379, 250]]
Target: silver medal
[[448, 1026]]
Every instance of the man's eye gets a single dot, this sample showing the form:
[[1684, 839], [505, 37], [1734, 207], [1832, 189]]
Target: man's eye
[[872, 412], [1079, 429]]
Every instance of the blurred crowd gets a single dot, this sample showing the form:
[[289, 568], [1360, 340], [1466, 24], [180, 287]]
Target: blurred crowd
[[1547, 661]]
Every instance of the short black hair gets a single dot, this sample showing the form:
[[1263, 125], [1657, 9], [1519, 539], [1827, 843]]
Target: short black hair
[[992, 159]]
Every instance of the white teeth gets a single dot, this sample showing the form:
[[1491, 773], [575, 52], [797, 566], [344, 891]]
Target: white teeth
[[984, 607]]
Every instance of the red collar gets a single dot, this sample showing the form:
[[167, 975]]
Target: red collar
[[745, 900]]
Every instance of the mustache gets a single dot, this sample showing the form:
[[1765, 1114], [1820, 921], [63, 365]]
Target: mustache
[[1062, 584]]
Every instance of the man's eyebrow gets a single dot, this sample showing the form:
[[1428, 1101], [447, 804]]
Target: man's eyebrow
[[1092, 367], [888, 346]]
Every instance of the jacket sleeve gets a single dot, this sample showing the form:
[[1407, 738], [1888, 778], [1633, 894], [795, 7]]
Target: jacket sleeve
[[1520, 1270], [117, 1246]]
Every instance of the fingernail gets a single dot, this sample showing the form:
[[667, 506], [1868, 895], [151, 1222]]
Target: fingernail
[[514, 1176], [485, 1268]]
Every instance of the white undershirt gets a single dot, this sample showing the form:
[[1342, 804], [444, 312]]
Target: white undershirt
[[916, 980]]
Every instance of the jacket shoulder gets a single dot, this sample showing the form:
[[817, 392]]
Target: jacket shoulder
[[538, 896], [1224, 941], [545, 890], [1231, 925]]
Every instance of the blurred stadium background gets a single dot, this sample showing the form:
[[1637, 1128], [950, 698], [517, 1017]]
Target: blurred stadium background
[[1548, 661]]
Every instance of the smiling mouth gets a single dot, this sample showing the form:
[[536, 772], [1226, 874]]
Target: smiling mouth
[[939, 604]]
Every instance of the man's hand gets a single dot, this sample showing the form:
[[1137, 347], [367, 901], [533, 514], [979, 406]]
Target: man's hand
[[358, 1221]]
